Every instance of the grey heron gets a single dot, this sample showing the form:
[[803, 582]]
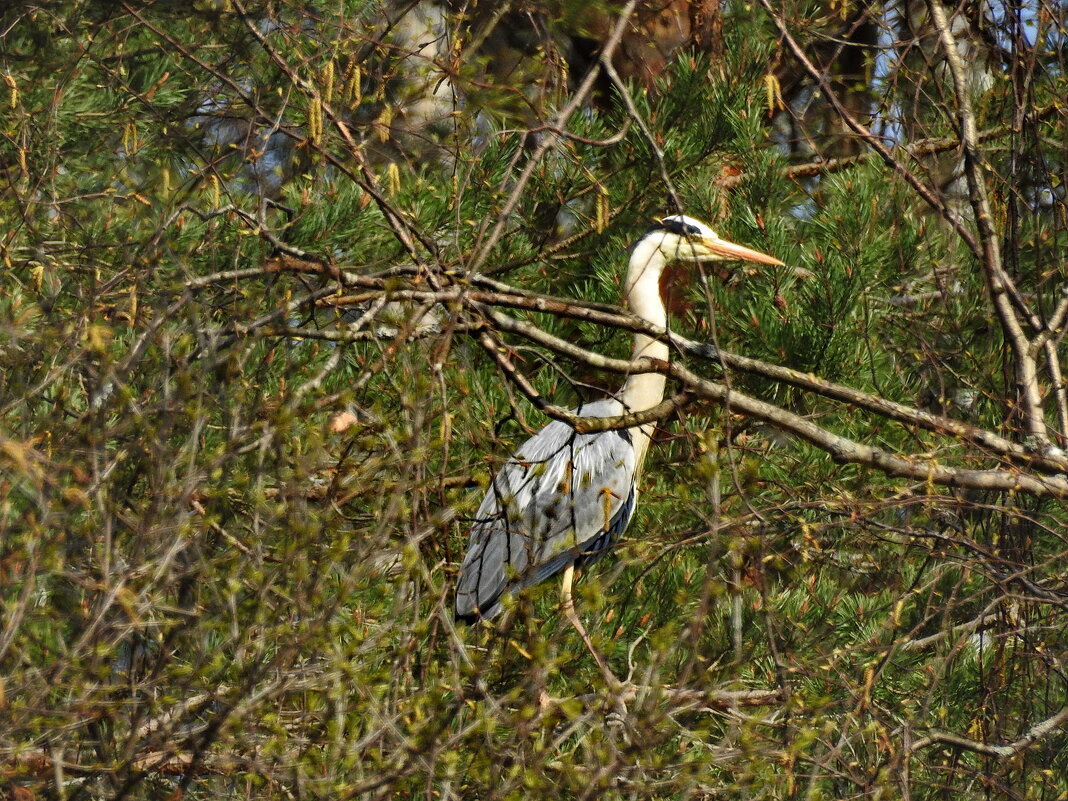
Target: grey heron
[[563, 499]]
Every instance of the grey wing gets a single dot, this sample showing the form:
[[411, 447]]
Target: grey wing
[[562, 497]]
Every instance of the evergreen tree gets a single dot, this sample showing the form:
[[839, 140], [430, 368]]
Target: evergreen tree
[[259, 263]]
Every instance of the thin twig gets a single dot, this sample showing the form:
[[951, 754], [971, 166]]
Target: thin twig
[[481, 255]]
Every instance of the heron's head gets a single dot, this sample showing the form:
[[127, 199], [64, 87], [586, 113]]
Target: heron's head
[[682, 238]]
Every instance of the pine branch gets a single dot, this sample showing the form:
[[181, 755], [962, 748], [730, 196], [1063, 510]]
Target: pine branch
[[917, 150]]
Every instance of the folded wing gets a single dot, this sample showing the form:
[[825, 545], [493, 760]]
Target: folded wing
[[563, 497]]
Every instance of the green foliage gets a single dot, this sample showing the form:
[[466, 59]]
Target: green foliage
[[241, 437]]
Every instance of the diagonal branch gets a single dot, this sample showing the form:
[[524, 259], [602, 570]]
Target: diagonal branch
[[504, 295], [1049, 461], [582, 424], [1039, 731], [581, 94], [635, 115], [917, 150], [870, 139], [841, 449], [985, 247]]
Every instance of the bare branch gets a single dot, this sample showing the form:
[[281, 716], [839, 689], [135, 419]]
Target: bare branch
[[1036, 733], [980, 623], [1049, 460], [870, 139], [1002, 289], [673, 198], [841, 449]]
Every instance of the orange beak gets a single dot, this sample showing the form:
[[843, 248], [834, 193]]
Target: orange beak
[[728, 250]]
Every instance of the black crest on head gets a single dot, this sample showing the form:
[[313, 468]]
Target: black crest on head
[[674, 226]]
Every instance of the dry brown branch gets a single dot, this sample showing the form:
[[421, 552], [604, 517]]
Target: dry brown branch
[[980, 623], [1050, 460], [1046, 460], [506, 296], [584, 425], [682, 699]]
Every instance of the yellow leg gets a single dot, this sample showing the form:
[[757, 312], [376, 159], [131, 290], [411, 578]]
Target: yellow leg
[[572, 618]]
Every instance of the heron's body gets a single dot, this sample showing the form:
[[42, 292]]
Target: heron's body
[[564, 498]]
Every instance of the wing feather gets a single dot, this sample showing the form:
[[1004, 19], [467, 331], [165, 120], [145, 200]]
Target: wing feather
[[562, 497]]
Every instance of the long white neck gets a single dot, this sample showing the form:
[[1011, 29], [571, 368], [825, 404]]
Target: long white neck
[[645, 390]]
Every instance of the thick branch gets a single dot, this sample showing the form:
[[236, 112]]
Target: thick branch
[[583, 425], [1048, 461], [1039, 731], [841, 449], [998, 281], [984, 621]]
